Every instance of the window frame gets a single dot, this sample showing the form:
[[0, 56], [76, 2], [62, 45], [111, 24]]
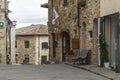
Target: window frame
[[26, 44], [65, 2], [44, 45], [15, 43]]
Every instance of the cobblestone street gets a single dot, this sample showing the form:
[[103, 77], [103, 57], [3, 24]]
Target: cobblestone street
[[45, 72]]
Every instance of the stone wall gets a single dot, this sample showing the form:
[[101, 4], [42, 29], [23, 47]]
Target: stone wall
[[34, 51], [67, 21], [89, 14], [22, 51], [3, 41]]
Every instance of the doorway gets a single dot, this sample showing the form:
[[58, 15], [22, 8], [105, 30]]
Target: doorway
[[43, 59], [65, 44], [109, 28], [26, 59], [16, 58], [113, 40]]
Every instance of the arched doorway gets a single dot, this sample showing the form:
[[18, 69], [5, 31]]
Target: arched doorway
[[65, 44], [16, 58]]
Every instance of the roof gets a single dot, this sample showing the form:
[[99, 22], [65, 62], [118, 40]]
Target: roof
[[38, 29]]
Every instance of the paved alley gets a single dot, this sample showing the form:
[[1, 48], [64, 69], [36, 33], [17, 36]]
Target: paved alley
[[45, 72]]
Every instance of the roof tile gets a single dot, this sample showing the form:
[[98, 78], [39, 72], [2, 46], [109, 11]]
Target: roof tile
[[38, 29]]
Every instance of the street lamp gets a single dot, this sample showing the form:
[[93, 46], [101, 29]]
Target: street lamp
[[14, 23], [45, 5], [78, 23]]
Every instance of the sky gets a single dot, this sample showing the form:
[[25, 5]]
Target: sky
[[27, 12]]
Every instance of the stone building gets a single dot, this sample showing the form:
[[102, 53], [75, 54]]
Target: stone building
[[5, 27], [32, 45], [73, 29], [79, 25], [109, 24], [62, 32]]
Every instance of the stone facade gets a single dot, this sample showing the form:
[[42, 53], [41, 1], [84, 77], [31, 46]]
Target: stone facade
[[64, 23], [4, 32], [88, 21], [21, 50], [67, 24], [35, 35]]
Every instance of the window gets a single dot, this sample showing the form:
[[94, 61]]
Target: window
[[26, 44], [16, 44], [0, 6], [65, 2], [44, 45], [26, 58]]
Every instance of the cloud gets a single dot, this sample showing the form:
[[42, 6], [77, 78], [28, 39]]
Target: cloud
[[24, 11]]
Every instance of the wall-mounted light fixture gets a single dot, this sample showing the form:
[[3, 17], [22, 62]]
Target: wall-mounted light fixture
[[82, 3], [14, 23], [90, 33]]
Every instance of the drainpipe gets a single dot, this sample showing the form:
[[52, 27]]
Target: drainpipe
[[9, 52], [53, 37], [99, 61], [78, 7], [5, 44], [53, 43]]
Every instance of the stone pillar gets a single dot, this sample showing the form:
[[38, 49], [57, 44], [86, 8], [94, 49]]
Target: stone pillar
[[13, 45], [37, 50]]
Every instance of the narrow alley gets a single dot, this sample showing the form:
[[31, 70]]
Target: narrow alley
[[45, 72]]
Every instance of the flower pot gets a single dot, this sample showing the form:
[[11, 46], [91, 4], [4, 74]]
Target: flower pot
[[106, 64]]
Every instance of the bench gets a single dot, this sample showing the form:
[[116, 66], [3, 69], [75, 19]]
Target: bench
[[83, 57]]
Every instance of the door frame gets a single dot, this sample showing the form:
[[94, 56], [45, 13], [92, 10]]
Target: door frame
[[65, 44], [116, 34]]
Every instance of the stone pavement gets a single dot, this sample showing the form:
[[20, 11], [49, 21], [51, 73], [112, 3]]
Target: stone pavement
[[46, 72], [105, 72]]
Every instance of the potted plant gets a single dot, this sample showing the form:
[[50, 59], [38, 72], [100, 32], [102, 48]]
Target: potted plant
[[103, 51], [69, 55]]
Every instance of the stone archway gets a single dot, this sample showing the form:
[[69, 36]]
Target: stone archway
[[65, 44]]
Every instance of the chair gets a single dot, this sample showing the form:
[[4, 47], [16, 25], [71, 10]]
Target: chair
[[83, 57]]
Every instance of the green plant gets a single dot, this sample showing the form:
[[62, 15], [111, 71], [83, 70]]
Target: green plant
[[103, 50]]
